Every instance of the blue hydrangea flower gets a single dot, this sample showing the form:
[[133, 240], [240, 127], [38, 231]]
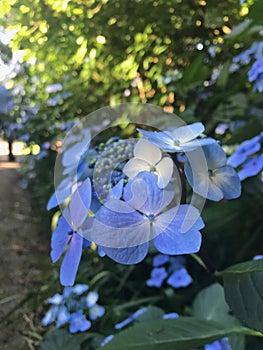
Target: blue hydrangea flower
[[216, 181], [66, 233], [181, 139], [158, 275], [180, 278], [244, 150], [148, 157], [131, 318], [251, 167], [96, 311], [123, 227], [78, 322], [222, 344], [256, 74]]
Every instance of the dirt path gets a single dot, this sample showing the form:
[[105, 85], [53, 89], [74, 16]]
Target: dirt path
[[24, 260]]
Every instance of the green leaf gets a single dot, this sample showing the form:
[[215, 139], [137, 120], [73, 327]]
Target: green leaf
[[256, 11], [210, 304], [60, 339], [152, 313], [244, 292], [224, 75], [195, 73], [180, 334]]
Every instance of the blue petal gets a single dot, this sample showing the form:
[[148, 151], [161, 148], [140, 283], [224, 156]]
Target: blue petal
[[168, 232], [171, 315], [50, 316], [160, 139], [70, 263], [78, 322], [96, 311], [228, 181], [180, 278], [160, 260], [158, 275], [63, 316], [60, 237], [251, 168], [79, 289], [127, 256], [244, 150], [116, 191], [144, 194], [131, 318], [215, 155], [187, 133], [71, 155], [107, 340], [80, 203]]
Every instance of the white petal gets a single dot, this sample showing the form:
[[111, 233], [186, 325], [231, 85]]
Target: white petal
[[147, 151], [165, 170], [135, 166]]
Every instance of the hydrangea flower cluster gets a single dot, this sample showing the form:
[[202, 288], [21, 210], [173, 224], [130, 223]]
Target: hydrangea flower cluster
[[248, 157], [72, 306], [125, 195], [255, 74], [170, 268]]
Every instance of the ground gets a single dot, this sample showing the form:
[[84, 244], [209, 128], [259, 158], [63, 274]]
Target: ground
[[25, 263]]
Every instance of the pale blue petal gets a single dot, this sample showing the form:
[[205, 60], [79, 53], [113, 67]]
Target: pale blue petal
[[127, 256], [60, 237], [92, 298], [79, 288], [167, 232], [50, 316], [71, 155], [160, 139], [96, 311], [80, 203], [58, 197], [186, 133], [117, 213], [116, 191], [144, 194], [70, 263], [56, 299], [228, 181], [63, 316], [215, 156]]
